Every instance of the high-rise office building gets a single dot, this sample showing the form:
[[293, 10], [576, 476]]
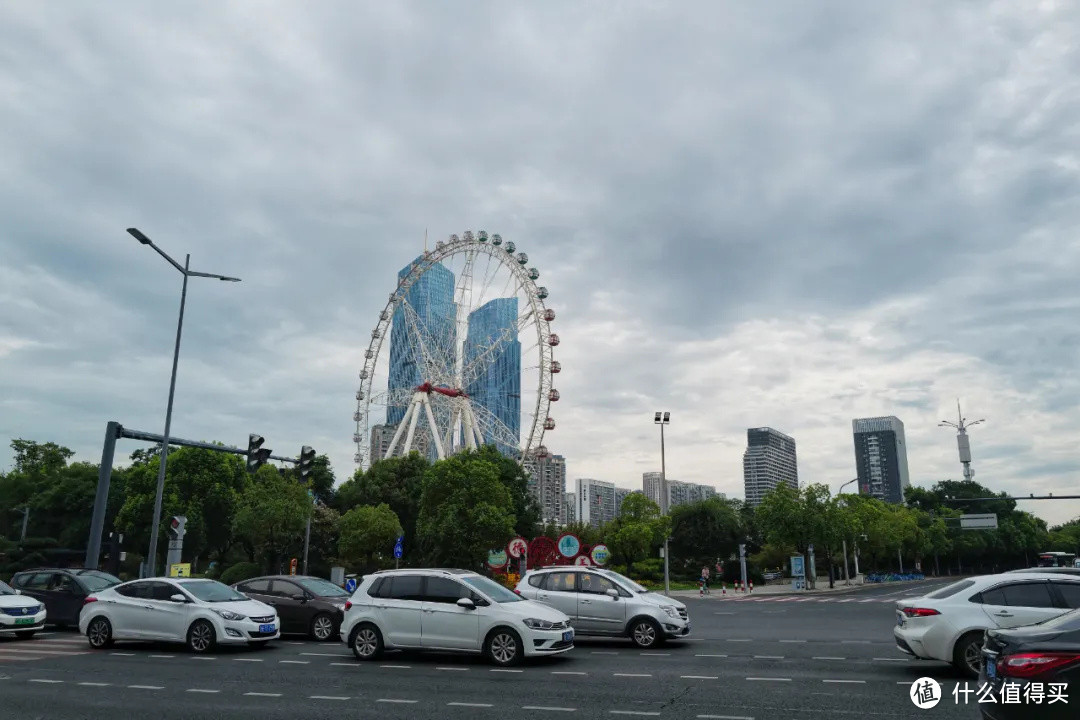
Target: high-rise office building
[[679, 493], [881, 457], [547, 483], [432, 298], [652, 486], [768, 461], [595, 501], [382, 435], [620, 495], [569, 508], [497, 386]]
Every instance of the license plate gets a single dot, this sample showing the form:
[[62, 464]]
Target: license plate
[[568, 636], [899, 619], [266, 628], [25, 621], [991, 668]]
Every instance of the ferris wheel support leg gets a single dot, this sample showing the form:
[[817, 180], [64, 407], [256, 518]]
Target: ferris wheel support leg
[[400, 429], [451, 432], [434, 430], [469, 422], [414, 410]]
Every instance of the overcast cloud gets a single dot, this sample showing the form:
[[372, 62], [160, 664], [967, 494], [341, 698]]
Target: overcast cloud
[[790, 215]]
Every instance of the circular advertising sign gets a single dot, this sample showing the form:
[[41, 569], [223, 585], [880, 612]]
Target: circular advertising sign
[[497, 558], [517, 547], [569, 545], [582, 560], [600, 554]]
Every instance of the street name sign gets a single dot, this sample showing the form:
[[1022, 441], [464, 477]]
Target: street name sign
[[985, 521]]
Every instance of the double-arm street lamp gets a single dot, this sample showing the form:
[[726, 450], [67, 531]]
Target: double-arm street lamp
[[662, 419], [151, 558]]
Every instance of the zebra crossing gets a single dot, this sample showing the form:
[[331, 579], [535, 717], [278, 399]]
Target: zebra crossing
[[42, 647], [891, 599]]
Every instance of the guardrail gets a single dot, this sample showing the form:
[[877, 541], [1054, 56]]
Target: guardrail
[[894, 577]]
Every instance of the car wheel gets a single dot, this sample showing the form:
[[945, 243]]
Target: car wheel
[[645, 633], [967, 655], [201, 636], [99, 633], [504, 647], [366, 642], [25, 634], [322, 627]]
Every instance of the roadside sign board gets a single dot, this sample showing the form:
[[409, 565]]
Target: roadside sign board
[[600, 554], [496, 559], [798, 566], [350, 585], [517, 547], [292, 566], [569, 546], [180, 570], [985, 521], [399, 547]]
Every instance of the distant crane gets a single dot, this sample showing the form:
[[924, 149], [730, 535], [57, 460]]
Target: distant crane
[[962, 441]]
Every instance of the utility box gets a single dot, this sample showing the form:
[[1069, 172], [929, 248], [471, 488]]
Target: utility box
[[337, 576]]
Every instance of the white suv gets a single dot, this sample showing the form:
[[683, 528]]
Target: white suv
[[455, 610], [603, 602]]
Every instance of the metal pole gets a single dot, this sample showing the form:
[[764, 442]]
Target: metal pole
[[307, 538], [664, 501], [901, 559], [151, 558], [847, 579], [25, 520], [856, 554], [101, 498]]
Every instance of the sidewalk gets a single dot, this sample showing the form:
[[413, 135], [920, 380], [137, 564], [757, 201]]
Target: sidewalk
[[786, 589]]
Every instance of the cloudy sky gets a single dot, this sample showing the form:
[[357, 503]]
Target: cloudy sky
[[769, 215]]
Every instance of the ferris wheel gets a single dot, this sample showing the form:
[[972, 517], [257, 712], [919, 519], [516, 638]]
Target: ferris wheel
[[462, 356]]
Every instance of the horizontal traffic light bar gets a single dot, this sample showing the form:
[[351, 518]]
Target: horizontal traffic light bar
[[1051, 496], [124, 432]]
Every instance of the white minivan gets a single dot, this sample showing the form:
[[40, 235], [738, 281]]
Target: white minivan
[[450, 610]]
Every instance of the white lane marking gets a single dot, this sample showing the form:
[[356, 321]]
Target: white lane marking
[[725, 717], [655, 654], [739, 640], [293, 642], [37, 680], [259, 694], [162, 656], [399, 667], [826, 657], [770, 678], [604, 652], [396, 700], [123, 654], [632, 674], [38, 653], [568, 672], [94, 684], [505, 670], [198, 690], [295, 662], [632, 712], [461, 704], [860, 682], [203, 658], [904, 660], [769, 657], [854, 642], [324, 655], [700, 677], [248, 659], [705, 655], [146, 687], [549, 709], [724, 613], [792, 641], [455, 669], [327, 697]]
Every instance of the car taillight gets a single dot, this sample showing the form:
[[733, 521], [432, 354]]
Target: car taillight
[[517, 591], [348, 604], [920, 612], [1028, 665], [89, 599]]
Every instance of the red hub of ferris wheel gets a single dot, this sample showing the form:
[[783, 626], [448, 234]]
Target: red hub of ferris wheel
[[448, 392]]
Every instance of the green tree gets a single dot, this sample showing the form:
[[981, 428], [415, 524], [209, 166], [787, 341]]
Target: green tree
[[704, 531], [397, 482], [367, 536], [271, 516], [636, 531], [516, 480], [465, 511]]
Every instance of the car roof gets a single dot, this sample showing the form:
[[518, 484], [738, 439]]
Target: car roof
[[1049, 570], [428, 571]]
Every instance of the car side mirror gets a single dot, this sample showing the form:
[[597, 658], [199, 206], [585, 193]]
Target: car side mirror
[[17, 592], [613, 594], [178, 598], [466, 603]]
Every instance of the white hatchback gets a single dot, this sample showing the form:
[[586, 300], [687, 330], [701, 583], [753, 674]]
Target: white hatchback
[[450, 610], [949, 624], [198, 613]]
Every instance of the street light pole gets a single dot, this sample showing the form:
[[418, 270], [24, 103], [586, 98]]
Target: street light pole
[[847, 578], [186, 271], [663, 419]]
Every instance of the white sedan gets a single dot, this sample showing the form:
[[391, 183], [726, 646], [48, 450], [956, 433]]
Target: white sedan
[[198, 613], [20, 614], [948, 624]]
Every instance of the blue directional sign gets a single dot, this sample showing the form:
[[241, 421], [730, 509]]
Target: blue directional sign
[[350, 585], [398, 549]]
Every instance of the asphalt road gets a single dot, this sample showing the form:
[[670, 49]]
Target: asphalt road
[[763, 658]]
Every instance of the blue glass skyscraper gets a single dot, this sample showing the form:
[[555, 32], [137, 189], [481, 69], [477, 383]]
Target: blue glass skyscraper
[[497, 387], [432, 297]]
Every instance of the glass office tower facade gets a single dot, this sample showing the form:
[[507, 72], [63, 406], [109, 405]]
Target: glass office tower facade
[[497, 387]]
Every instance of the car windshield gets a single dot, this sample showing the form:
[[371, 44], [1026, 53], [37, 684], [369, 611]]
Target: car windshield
[[322, 588], [492, 589], [212, 591], [5, 589], [950, 590], [95, 580], [627, 582]]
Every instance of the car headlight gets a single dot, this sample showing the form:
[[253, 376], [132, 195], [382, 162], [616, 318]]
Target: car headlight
[[539, 624], [230, 615], [671, 610]]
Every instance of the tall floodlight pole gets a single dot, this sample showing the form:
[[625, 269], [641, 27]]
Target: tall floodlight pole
[[151, 558], [963, 443], [662, 419], [847, 578]]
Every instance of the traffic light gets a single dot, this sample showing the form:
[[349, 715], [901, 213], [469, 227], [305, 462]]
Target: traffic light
[[257, 455], [307, 462], [177, 527]]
